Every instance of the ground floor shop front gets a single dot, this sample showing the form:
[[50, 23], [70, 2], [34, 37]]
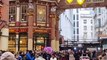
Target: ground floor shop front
[[21, 42]]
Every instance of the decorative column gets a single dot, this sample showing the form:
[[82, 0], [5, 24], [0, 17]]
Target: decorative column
[[17, 24], [53, 22], [30, 32], [30, 25], [17, 42], [53, 38], [17, 13], [57, 33], [4, 38], [4, 30]]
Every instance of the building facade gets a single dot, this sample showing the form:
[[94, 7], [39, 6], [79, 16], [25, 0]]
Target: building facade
[[81, 24], [32, 25], [86, 25], [101, 25]]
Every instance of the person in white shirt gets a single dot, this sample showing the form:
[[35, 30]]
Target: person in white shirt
[[53, 57], [39, 57]]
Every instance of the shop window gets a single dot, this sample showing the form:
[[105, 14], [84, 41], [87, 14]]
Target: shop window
[[12, 42], [40, 41], [23, 41]]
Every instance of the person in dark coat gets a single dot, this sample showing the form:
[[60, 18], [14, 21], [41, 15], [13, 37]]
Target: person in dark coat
[[77, 56], [29, 56], [46, 56]]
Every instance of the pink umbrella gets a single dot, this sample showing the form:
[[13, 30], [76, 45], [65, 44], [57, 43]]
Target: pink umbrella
[[48, 50]]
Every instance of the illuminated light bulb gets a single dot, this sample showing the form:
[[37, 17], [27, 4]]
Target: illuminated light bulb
[[40, 12], [21, 42], [69, 1], [80, 2]]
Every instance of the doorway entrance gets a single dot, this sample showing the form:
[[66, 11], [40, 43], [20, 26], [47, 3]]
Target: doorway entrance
[[40, 40]]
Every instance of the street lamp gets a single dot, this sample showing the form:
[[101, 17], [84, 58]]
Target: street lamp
[[69, 1], [80, 2]]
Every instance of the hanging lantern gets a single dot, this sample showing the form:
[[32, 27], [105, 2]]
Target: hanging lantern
[[69, 1], [80, 2]]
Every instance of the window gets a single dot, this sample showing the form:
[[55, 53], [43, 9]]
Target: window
[[40, 41], [91, 27], [74, 31], [91, 22], [85, 27], [99, 23], [77, 24], [85, 21], [24, 8], [12, 42], [77, 17], [23, 41], [74, 24], [77, 31], [73, 17], [91, 34], [12, 11], [85, 35], [77, 10], [99, 10], [77, 37], [24, 18], [74, 38]]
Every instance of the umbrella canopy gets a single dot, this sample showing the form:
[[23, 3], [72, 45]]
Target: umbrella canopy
[[48, 50]]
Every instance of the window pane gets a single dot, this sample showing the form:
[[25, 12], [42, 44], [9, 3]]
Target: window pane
[[73, 17], [23, 12], [24, 18], [85, 27], [77, 31], [85, 21], [77, 24], [77, 17], [12, 13]]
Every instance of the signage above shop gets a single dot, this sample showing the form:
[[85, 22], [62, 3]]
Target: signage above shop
[[13, 30], [42, 31]]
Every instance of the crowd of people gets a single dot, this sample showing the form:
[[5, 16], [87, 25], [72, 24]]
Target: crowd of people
[[61, 55]]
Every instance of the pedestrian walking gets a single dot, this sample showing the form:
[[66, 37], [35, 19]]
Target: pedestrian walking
[[71, 55]]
